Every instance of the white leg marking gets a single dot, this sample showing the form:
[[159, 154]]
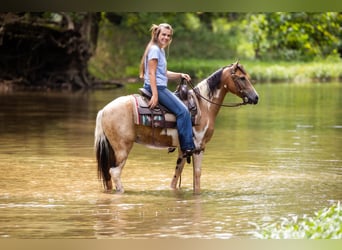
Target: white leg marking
[[116, 176]]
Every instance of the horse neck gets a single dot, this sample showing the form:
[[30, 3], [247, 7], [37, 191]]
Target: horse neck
[[212, 107], [209, 113]]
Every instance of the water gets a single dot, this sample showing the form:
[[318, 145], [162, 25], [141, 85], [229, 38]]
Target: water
[[279, 158]]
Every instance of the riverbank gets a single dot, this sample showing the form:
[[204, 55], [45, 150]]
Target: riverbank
[[261, 72]]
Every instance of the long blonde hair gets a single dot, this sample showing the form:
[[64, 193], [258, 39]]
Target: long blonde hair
[[155, 31]]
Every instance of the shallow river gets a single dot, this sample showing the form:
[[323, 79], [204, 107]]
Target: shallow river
[[276, 159]]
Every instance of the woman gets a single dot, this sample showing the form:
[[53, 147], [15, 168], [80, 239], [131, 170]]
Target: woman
[[153, 68]]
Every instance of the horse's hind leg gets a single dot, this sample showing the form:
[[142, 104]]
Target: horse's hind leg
[[178, 172], [115, 173]]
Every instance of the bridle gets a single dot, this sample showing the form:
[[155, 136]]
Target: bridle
[[229, 105]]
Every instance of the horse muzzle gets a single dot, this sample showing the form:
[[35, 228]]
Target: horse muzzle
[[251, 99]]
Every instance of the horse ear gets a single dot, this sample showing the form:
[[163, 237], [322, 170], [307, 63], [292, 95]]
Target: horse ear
[[235, 66]]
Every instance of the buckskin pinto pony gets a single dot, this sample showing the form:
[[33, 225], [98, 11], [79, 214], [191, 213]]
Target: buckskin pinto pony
[[116, 131]]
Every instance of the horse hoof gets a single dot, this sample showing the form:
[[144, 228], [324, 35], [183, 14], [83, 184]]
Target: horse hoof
[[119, 191], [197, 192]]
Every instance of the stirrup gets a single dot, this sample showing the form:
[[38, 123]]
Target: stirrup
[[171, 149], [187, 154]]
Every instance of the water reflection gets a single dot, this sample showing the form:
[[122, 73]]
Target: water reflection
[[268, 161]]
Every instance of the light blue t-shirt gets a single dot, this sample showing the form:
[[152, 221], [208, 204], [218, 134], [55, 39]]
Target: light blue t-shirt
[[157, 53]]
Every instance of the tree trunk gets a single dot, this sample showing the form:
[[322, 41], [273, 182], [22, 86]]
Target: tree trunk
[[47, 50]]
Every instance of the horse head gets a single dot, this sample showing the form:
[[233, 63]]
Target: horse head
[[235, 80]]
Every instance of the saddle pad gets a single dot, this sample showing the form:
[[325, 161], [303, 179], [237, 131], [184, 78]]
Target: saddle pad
[[157, 118]]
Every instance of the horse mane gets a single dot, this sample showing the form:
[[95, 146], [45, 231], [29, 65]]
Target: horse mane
[[213, 81]]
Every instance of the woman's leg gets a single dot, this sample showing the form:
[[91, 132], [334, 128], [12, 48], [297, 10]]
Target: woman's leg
[[184, 125]]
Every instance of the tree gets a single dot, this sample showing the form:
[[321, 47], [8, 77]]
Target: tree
[[46, 49], [294, 35]]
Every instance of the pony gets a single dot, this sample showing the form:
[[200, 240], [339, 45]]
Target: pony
[[116, 132]]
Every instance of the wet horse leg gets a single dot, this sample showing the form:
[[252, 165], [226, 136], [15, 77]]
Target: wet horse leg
[[178, 171], [115, 173], [118, 126], [197, 162]]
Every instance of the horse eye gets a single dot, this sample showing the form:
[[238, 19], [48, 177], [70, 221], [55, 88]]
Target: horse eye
[[243, 78]]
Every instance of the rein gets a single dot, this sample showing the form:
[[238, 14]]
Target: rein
[[227, 105]]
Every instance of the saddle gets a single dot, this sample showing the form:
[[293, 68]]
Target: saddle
[[160, 116]]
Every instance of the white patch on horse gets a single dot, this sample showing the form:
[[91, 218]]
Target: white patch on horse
[[155, 147], [199, 135], [204, 90], [217, 93]]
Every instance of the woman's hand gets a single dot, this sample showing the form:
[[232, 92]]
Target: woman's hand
[[153, 102], [185, 76], [175, 76]]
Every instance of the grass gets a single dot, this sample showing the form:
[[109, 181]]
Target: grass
[[325, 224], [280, 71]]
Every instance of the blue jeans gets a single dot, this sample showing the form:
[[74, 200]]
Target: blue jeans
[[183, 118]]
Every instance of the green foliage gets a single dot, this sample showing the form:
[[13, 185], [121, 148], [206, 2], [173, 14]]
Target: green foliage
[[203, 44], [196, 35], [326, 224], [265, 41], [294, 35], [120, 47], [196, 68], [271, 71], [284, 71], [116, 50]]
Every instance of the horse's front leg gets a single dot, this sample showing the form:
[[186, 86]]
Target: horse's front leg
[[178, 171], [197, 165]]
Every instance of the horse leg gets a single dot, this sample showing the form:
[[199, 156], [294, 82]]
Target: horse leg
[[115, 173], [178, 171], [197, 162], [109, 186], [122, 150]]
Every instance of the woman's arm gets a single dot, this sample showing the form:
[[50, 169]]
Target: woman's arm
[[152, 66], [176, 76]]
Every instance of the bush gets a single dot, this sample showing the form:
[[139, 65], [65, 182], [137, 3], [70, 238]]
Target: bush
[[326, 224]]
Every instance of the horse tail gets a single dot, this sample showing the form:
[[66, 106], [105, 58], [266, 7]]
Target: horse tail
[[104, 153]]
